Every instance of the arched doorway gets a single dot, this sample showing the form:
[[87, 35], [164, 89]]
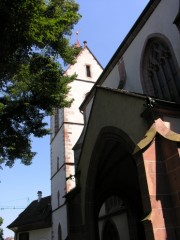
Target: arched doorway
[[113, 172]]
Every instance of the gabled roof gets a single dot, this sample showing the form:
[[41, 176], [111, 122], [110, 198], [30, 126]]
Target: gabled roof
[[80, 52], [36, 216]]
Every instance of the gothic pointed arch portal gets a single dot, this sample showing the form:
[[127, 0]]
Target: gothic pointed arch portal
[[113, 172]]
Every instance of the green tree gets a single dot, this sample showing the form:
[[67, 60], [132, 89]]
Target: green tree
[[35, 37], [1, 230]]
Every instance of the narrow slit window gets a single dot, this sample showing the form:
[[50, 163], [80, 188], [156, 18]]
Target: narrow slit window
[[88, 71], [56, 120], [57, 163], [58, 198]]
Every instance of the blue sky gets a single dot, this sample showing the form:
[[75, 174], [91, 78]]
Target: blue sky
[[104, 25]]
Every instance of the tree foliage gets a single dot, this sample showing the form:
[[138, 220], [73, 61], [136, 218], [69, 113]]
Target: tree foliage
[[34, 37], [1, 230]]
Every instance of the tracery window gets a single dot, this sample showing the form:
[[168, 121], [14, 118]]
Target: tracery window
[[161, 78]]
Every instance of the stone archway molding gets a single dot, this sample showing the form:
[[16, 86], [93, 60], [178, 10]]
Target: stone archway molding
[[157, 127]]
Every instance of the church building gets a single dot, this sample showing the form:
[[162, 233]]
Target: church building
[[115, 153], [127, 159]]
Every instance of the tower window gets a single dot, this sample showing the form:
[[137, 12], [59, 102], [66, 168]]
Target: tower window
[[56, 120], [57, 163], [58, 198], [88, 71]]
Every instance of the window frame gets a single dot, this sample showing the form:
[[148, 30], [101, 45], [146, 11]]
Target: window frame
[[88, 70], [160, 77]]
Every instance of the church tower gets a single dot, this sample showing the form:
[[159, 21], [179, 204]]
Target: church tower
[[66, 126]]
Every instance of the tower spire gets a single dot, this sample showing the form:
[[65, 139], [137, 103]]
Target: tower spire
[[77, 44]]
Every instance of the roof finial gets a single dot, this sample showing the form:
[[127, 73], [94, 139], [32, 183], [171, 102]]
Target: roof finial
[[85, 43], [39, 193], [77, 44]]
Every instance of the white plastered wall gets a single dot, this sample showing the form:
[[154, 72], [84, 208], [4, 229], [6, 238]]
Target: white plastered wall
[[59, 217], [160, 22]]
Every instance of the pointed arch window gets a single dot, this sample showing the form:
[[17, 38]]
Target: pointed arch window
[[161, 78], [59, 232]]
